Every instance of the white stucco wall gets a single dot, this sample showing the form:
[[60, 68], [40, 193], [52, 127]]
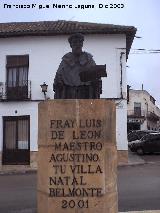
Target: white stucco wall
[[45, 54], [121, 127]]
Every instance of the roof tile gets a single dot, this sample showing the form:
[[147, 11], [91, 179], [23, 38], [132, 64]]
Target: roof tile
[[62, 27]]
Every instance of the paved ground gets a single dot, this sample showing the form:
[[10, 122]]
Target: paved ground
[[18, 193], [138, 187], [134, 159], [27, 183], [152, 159]]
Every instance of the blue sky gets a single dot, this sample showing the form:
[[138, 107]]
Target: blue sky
[[143, 14]]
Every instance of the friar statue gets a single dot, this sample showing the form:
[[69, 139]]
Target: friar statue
[[76, 77]]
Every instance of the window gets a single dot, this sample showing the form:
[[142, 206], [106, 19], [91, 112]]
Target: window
[[16, 140], [137, 109], [17, 77]]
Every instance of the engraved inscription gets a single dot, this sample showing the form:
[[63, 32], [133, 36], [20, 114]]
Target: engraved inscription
[[76, 161]]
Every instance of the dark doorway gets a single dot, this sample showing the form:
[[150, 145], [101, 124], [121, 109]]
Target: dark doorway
[[133, 126], [16, 140]]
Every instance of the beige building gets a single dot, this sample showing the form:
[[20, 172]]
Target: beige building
[[142, 112]]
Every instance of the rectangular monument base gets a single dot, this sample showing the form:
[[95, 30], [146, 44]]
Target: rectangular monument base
[[77, 157]]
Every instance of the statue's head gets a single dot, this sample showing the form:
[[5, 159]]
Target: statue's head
[[76, 43]]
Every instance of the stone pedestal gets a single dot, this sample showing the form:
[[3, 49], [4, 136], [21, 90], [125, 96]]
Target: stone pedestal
[[77, 157]]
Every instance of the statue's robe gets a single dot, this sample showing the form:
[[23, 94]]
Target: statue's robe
[[67, 82]]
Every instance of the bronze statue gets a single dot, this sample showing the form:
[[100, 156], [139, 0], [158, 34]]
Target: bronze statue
[[78, 76]]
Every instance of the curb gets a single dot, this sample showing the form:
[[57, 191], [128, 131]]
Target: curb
[[132, 164], [18, 172]]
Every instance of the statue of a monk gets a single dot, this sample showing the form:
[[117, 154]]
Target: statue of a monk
[[68, 83]]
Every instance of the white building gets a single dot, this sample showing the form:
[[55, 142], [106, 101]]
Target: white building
[[30, 55], [142, 113]]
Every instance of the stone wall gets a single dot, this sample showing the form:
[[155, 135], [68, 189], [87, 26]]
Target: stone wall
[[122, 157], [77, 159]]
